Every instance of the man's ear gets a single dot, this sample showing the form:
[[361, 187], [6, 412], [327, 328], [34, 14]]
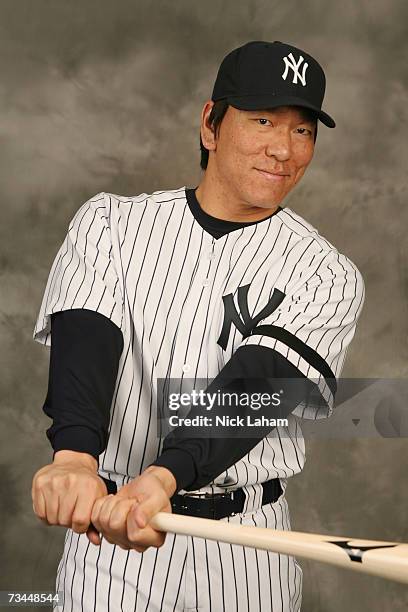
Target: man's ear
[[207, 130]]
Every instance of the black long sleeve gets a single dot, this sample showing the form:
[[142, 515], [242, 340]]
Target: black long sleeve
[[195, 461], [84, 359]]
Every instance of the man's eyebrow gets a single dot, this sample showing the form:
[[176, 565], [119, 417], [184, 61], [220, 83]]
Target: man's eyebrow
[[304, 117]]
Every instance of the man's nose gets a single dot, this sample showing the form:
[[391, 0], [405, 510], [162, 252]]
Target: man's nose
[[279, 144]]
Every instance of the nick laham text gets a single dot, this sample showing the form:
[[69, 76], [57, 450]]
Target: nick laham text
[[226, 421]]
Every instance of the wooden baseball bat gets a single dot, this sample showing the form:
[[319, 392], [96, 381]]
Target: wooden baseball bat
[[384, 559]]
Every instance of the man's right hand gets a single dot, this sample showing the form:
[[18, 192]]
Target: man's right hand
[[64, 492]]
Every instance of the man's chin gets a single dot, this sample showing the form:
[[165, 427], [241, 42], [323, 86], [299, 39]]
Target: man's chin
[[266, 200]]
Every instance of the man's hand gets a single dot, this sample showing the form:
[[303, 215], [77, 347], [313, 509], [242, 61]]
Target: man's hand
[[123, 518], [64, 492]]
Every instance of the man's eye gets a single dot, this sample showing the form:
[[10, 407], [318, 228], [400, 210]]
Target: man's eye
[[262, 119], [305, 131]]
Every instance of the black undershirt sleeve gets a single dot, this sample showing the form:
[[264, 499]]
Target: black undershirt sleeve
[[196, 461], [84, 359]]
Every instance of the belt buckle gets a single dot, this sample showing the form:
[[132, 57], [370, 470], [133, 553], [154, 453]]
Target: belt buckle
[[212, 497], [226, 495]]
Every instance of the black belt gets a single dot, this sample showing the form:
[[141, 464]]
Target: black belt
[[220, 505], [215, 505]]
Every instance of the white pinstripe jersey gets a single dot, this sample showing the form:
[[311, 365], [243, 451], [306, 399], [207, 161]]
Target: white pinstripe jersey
[[147, 264]]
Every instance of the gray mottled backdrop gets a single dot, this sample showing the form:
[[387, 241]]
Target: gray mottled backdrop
[[106, 96]]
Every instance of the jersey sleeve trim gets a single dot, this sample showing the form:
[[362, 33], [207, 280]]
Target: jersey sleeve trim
[[305, 351]]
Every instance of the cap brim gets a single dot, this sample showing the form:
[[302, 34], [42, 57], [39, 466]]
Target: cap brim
[[272, 101]]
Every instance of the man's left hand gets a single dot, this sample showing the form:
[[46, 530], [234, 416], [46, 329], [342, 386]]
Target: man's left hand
[[123, 519]]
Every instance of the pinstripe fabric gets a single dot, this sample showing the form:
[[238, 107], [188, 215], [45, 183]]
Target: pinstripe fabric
[[147, 264]]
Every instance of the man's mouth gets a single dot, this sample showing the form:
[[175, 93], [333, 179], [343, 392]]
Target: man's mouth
[[271, 176]]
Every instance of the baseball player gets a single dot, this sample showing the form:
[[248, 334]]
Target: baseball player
[[220, 283]]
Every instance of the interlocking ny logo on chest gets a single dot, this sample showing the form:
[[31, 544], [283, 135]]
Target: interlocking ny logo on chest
[[242, 320]]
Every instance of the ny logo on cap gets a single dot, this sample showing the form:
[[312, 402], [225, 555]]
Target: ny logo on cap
[[291, 63]]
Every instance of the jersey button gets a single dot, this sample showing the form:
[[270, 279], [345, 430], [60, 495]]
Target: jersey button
[[186, 367], [206, 282], [210, 255]]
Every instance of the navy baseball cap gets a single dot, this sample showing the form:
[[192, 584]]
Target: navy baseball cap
[[261, 75]]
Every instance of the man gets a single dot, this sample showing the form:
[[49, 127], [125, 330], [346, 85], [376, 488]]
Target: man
[[218, 283]]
